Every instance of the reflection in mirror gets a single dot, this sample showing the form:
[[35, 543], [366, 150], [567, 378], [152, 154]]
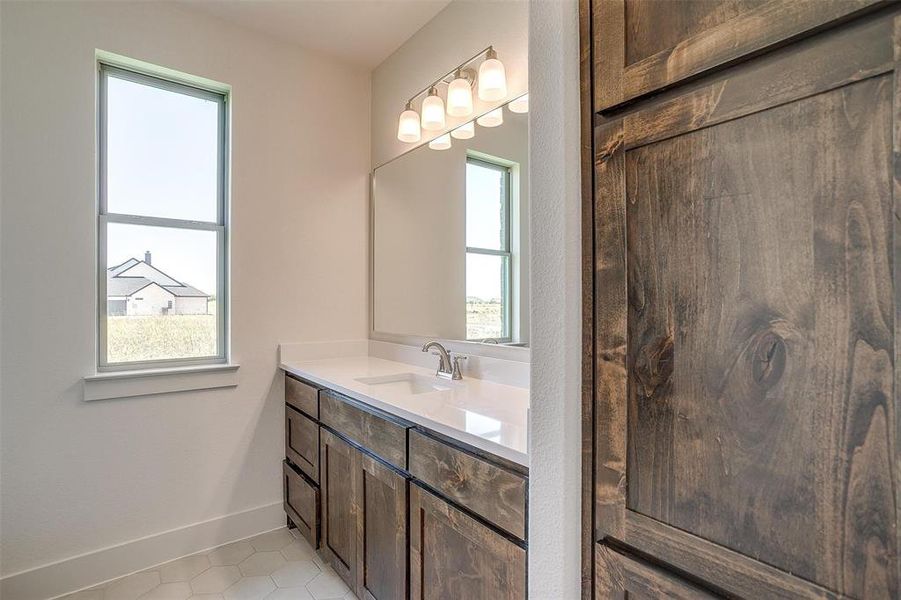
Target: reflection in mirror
[[450, 236]]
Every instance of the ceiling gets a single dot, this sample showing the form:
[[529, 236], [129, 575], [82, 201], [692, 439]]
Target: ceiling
[[361, 32]]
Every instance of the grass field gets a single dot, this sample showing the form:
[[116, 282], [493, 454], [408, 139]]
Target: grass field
[[483, 319], [159, 337]]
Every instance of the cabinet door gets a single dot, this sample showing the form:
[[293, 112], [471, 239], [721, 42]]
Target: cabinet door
[[382, 534], [454, 556], [641, 46], [338, 489], [746, 425]]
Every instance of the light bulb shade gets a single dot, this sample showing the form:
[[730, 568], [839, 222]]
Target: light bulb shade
[[491, 119], [464, 132], [408, 127], [520, 105], [433, 112], [442, 142], [492, 80], [459, 98]]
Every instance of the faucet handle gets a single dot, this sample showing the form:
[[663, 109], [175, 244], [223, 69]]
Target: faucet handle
[[456, 364]]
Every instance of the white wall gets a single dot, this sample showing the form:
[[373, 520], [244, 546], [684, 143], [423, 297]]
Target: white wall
[[555, 431], [454, 35], [419, 229], [80, 476]]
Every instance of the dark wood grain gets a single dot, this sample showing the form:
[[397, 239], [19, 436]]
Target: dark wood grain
[[453, 556], [745, 310], [302, 396], [675, 22], [488, 490], [608, 33], [302, 442], [384, 437], [610, 331], [301, 502], [339, 489], [622, 576], [761, 375], [382, 532], [690, 37], [809, 67], [586, 155]]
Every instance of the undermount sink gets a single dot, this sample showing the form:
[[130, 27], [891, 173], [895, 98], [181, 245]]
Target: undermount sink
[[409, 383]]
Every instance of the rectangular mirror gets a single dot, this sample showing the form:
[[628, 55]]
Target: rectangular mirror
[[450, 235]]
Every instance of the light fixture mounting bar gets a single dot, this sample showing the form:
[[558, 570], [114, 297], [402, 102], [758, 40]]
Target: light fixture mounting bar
[[450, 73]]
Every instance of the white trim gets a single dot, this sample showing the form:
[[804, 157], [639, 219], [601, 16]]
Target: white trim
[[92, 568], [145, 382]]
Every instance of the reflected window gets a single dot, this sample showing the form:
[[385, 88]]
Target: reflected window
[[162, 222], [488, 256]]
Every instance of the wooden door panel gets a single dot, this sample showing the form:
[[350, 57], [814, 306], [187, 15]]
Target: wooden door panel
[[745, 319], [382, 538], [338, 488], [643, 46], [454, 556]]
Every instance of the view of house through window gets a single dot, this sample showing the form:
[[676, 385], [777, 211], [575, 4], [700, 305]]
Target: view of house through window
[[162, 222], [488, 277]]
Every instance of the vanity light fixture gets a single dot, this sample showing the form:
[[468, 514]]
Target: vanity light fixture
[[491, 119], [459, 96], [433, 111], [464, 132], [442, 142], [492, 78], [520, 105], [408, 129]]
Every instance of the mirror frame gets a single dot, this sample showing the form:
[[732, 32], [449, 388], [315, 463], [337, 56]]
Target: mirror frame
[[517, 353]]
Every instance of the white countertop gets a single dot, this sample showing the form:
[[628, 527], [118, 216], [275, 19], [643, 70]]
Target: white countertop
[[490, 416]]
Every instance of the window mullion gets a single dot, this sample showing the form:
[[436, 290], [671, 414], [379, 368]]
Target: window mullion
[[161, 222]]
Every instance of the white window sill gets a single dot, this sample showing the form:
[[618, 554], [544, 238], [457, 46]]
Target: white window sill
[[127, 384]]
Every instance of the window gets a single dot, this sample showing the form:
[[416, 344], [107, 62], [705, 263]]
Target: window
[[162, 226], [488, 275]]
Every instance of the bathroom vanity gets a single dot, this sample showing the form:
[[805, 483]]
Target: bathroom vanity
[[410, 486]]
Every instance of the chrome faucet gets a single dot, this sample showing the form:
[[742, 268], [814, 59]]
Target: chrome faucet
[[448, 368]]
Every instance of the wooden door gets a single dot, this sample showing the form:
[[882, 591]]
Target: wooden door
[[382, 532], [453, 556], [338, 490], [746, 429], [643, 46]]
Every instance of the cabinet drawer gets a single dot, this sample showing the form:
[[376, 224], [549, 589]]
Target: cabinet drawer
[[301, 499], [379, 435], [618, 575], [302, 442], [493, 492], [302, 396]]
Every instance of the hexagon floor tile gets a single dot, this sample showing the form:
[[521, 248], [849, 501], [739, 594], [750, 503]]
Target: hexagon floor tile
[[278, 565]]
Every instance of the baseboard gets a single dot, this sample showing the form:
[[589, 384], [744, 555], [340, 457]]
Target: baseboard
[[93, 568]]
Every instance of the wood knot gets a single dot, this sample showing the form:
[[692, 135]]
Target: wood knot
[[768, 359], [654, 364]]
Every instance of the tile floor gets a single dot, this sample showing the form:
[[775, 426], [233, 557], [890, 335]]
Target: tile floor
[[279, 565]]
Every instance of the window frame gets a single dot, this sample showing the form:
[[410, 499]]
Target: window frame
[[507, 283], [220, 226]]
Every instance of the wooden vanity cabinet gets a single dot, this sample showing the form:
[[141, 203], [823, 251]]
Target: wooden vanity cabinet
[[452, 555], [350, 488]]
